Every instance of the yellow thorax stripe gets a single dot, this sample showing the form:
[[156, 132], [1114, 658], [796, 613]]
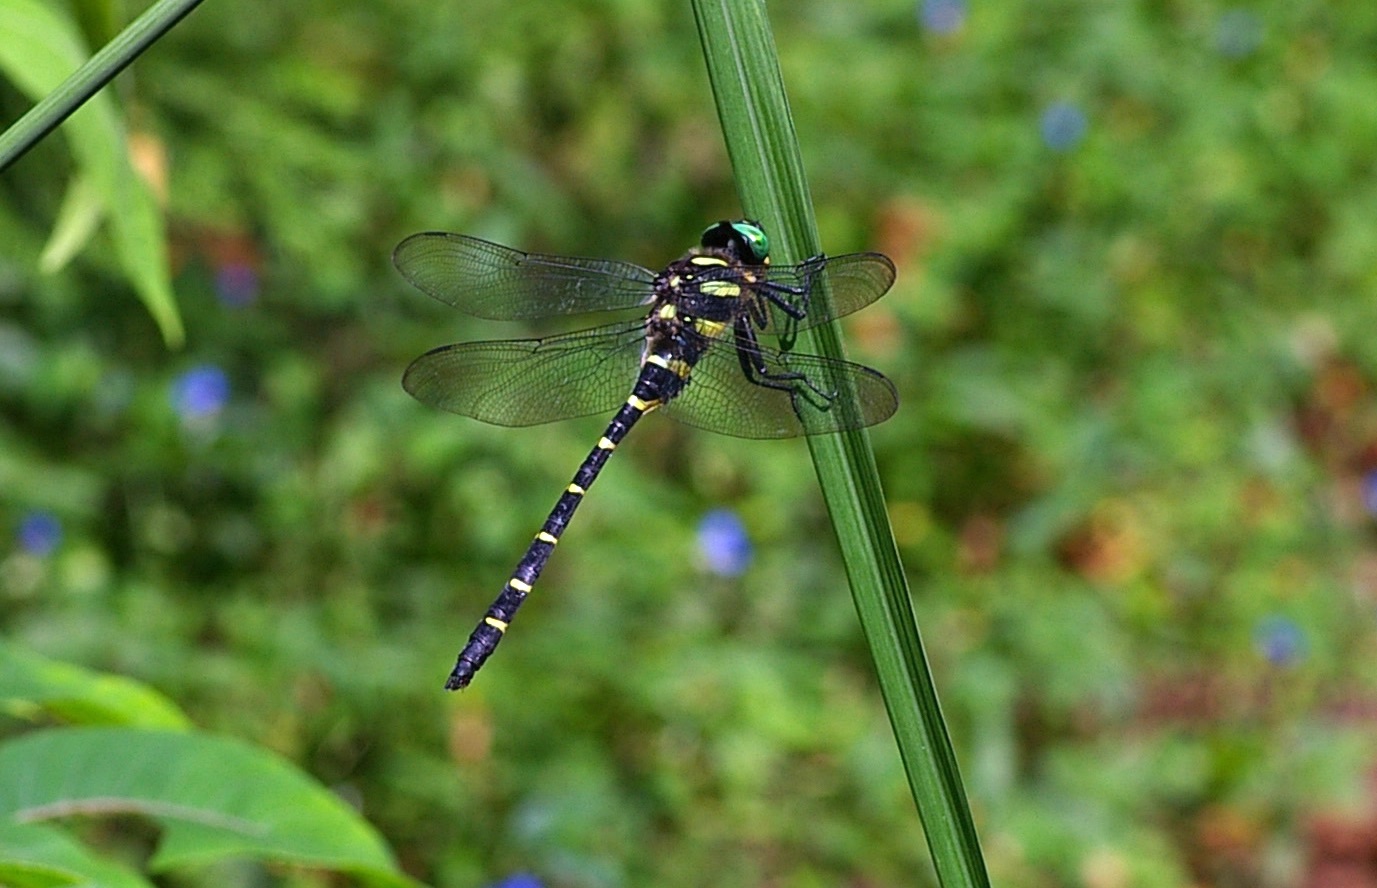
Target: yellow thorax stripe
[[724, 289]]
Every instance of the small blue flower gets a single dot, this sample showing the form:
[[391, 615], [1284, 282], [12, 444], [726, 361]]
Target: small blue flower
[[1369, 492], [520, 880], [236, 283], [1063, 125], [1279, 640], [200, 392], [943, 17], [39, 533], [1238, 33], [723, 544]]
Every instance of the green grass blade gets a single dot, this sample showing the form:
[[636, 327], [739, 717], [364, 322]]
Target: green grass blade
[[47, 47], [87, 80], [749, 91]]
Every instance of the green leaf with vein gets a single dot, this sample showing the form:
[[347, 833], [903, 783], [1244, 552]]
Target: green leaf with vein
[[213, 797]]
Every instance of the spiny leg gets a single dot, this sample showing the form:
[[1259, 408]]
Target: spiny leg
[[748, 352], [778, 293]]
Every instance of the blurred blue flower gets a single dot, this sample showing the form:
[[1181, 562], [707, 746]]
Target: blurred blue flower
[[1238, 33], [200, 392], [236, 283], [723, 544], [520, 880], [1369, 492], [1279, 640], [1063, 125], [39, 533], [942, 16]]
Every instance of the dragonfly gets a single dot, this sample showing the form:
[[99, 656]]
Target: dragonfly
[[693, 352]]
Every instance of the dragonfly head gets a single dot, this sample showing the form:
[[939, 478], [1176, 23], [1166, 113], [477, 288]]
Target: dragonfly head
[[743, 239]]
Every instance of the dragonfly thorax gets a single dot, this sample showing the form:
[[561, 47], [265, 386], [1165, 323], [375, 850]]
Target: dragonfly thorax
[[713, 287], [698, 299]]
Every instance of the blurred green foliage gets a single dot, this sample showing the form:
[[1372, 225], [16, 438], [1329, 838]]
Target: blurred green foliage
[[124, 749], [1134, 475]]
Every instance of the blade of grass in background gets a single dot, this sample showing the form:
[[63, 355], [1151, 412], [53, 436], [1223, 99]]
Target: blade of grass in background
[[87, 80], [749, 90], [43, 55]]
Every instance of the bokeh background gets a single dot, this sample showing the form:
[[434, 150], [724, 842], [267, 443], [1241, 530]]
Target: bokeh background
[[1133, 478]]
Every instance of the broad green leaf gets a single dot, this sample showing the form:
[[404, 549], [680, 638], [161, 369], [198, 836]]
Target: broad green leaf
[[29, 682], [35, 855], [214, 798], [40, 50]]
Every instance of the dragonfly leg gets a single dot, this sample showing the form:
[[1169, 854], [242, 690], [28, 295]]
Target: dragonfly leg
[[797, 306], [748, 352]]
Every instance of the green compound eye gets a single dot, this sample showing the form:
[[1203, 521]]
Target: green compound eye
[[743, 238], [755, 239]]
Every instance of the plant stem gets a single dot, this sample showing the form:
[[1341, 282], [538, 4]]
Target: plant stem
[[87, 80], [748, 87]]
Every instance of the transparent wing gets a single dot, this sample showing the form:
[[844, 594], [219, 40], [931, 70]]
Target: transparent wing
[[853, 281], [826, 395], [489, 280], [522, 382]]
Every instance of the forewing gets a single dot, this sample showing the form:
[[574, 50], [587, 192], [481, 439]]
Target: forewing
[[489, 280], [523, 382], [853, 280], [720, 398]]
